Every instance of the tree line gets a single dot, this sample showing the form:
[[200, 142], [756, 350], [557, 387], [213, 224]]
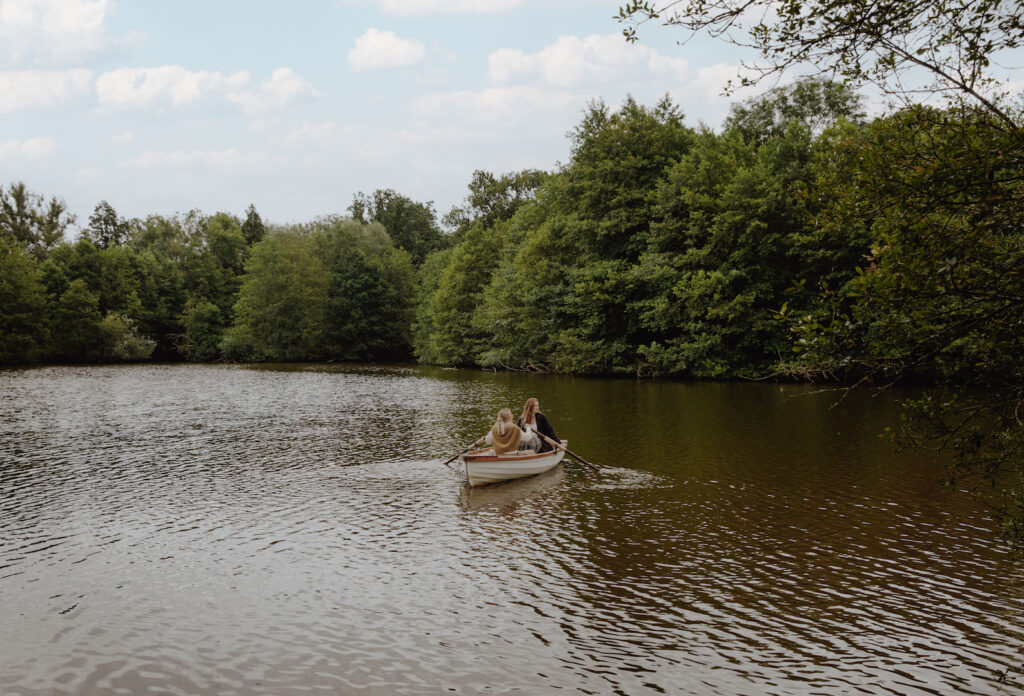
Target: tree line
[[788, 240], [657, 249], [209, 287]]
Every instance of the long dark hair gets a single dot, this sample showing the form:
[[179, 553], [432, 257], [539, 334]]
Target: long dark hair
[[530, 410]]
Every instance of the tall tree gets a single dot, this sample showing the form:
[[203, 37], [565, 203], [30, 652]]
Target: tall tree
[[617, 158], [76, 325], [106, 228], [30, 219], [411, 225], [370, 286], [456, 340], [280, 310], [732, 237], [604, 197], [814, 102], [160, 251], [492, 198], [253, 228], [423, 329], [22, 305]]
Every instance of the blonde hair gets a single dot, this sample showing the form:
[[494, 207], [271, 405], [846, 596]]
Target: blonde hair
[[529, 411], [504, 421]]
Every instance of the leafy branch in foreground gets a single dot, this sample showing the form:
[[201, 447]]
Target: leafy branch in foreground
[[940, 298], [951, 42]]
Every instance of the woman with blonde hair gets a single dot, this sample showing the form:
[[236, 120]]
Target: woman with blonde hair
[[505, 435], [533, 421]]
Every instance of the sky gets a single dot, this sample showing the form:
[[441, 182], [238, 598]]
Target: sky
[[164, 107]]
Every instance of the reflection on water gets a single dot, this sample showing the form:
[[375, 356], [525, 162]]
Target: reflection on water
[[290, 530], [510, 497]]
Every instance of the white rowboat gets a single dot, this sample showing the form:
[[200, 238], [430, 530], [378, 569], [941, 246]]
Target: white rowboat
[[484, 467]]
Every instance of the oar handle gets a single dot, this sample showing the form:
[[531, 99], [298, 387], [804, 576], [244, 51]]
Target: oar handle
[[452, 459], [559, 445]]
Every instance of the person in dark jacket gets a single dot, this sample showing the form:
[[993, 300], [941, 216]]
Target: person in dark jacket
[[533, 419]]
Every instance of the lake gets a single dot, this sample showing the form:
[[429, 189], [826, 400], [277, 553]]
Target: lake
[[289, 529]]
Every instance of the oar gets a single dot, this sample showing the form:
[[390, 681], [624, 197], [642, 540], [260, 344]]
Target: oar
[[559, 445], [475, 443]]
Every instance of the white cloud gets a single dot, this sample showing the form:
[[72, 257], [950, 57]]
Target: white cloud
[[26, 89], [226, 160], [283, 86], [583, 64], [424, 141], [519, 104], [121, 138], [713, 79], [258, 125], [34, 148], [572, 61], [138, 87], [37, 30], [424, 7], [377, 49], [707, 85], [134, 87], [446, 54], [311, 132]]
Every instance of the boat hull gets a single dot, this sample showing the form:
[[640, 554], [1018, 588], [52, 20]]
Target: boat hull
[[483, 468]]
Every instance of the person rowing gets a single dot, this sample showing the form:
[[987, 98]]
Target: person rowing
[[533, 421]]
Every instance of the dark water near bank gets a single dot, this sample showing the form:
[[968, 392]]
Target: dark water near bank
[[221, 530]]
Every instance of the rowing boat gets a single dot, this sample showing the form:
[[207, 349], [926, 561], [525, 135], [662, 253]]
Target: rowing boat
[[483, 466]]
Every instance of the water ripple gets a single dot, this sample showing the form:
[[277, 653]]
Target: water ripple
[[289, 530]]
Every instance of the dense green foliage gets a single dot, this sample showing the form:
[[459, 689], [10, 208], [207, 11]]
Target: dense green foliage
[[198, 288], [23, 326], [370, 289], [30, 220], [656, 249], [492, 198], [281, 305], [411, 225]]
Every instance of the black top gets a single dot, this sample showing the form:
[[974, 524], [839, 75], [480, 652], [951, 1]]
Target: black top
[[545, 428]]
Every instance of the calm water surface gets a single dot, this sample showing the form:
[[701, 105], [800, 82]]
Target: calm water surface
[[223, 530]]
